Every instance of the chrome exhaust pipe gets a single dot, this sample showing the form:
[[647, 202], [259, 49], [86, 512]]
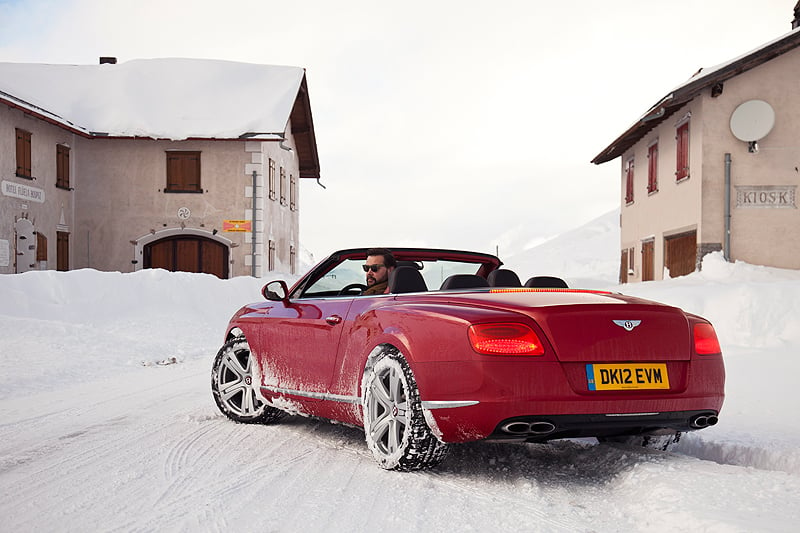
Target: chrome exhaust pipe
[[542, 428], [702, 421], [516, 428], [528, 428]]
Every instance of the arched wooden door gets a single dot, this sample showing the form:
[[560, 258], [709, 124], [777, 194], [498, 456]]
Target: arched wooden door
[[188, 253]]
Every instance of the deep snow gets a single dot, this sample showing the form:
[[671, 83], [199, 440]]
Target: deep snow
[[107, 421]]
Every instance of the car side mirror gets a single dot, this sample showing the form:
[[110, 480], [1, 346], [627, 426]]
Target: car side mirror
[[276, 291]]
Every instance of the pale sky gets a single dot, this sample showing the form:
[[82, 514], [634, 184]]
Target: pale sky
[[455, 124]]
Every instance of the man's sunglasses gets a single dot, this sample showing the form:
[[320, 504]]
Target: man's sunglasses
[[374, 268]]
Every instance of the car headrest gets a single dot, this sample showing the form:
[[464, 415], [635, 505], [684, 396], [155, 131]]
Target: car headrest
[[503, 278], [464, 281], [546, 282], [406, 279]]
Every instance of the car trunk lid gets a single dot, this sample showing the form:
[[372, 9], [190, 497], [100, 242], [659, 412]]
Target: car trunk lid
[[614, 333]]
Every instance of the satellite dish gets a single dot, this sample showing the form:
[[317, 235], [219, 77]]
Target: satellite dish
[[752, 121]]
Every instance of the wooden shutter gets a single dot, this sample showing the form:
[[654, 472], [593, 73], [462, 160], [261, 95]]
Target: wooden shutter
[[41, 247], [24, 154], [62, 251], [272, 194], [629, 181], [648, 254], [652, 168], [682, 161], [62, 166], [183, 172], [283, 186], [623, 267]]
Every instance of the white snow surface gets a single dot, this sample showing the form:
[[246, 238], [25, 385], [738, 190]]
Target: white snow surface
[[172, 98], [107, 423]]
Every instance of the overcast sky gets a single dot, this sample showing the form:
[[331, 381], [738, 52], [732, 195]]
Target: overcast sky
[[453, 123]]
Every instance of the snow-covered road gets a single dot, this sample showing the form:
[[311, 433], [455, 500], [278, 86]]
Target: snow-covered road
[[93, 440]]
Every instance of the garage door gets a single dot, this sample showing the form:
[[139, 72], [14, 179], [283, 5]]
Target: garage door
[[188, 254], [680, 253]]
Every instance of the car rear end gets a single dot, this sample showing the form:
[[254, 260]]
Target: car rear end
[[606, 365]]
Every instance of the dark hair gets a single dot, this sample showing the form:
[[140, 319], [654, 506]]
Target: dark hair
[[388, 258]]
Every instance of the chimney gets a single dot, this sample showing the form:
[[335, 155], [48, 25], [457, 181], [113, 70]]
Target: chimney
[[796, 21], [108, 60]]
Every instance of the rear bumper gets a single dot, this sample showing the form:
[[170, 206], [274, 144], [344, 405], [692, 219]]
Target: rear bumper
[[530, 391], [544, 428]]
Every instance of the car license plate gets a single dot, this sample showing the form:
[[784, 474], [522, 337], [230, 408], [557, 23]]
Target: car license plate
[[627, 376]]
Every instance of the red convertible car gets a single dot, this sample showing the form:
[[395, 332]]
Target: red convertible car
[[460, 350]]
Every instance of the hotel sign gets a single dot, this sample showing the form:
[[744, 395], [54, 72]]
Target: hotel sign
[[766, 196], [23, 192]]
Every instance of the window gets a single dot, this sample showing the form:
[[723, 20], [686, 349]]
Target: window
[[62, 250], [271, 256], [62, 166], [272, 179], [652, 168], [183, 172], [629, 181], [292, 259], [24, 154], [283, 186], [682, 163], [292, 192]]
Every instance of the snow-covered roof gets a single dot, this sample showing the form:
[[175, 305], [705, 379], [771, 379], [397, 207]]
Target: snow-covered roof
[[159, 98], [687, 91]]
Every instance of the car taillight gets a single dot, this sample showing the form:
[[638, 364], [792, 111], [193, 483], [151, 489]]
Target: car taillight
[[505, 339], [705, 340]]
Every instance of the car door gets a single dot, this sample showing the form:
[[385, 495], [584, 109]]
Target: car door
[[298, 343]]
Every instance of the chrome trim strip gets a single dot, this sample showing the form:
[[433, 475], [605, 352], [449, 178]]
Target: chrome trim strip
[[355, 400], [632, 414], [448, 405], [315, 395]]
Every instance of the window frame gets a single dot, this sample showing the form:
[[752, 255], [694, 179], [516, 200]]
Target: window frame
[[181, 183]]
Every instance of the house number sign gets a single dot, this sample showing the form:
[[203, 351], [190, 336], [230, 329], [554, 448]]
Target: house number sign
[[766, 196], [184, 213]]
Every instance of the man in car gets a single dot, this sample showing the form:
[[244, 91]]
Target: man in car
[[380, 263]]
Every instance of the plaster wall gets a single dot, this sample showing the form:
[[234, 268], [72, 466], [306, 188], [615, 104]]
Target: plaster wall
[[674, 207], [760, 234], [58, 204]]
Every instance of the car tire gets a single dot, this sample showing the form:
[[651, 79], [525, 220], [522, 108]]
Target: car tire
[[234, 388], [394, 424]]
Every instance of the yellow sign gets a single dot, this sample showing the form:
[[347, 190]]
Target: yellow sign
[[237, 225]]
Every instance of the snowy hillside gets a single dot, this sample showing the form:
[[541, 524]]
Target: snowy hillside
[[107, 421], [587, 256]]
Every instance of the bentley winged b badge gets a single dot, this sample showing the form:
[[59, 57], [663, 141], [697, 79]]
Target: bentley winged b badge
[[627, 325]]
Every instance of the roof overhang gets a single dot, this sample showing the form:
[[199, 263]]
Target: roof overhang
[[676, 99]]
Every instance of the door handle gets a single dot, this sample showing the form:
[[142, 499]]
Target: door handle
[[333, 319]]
